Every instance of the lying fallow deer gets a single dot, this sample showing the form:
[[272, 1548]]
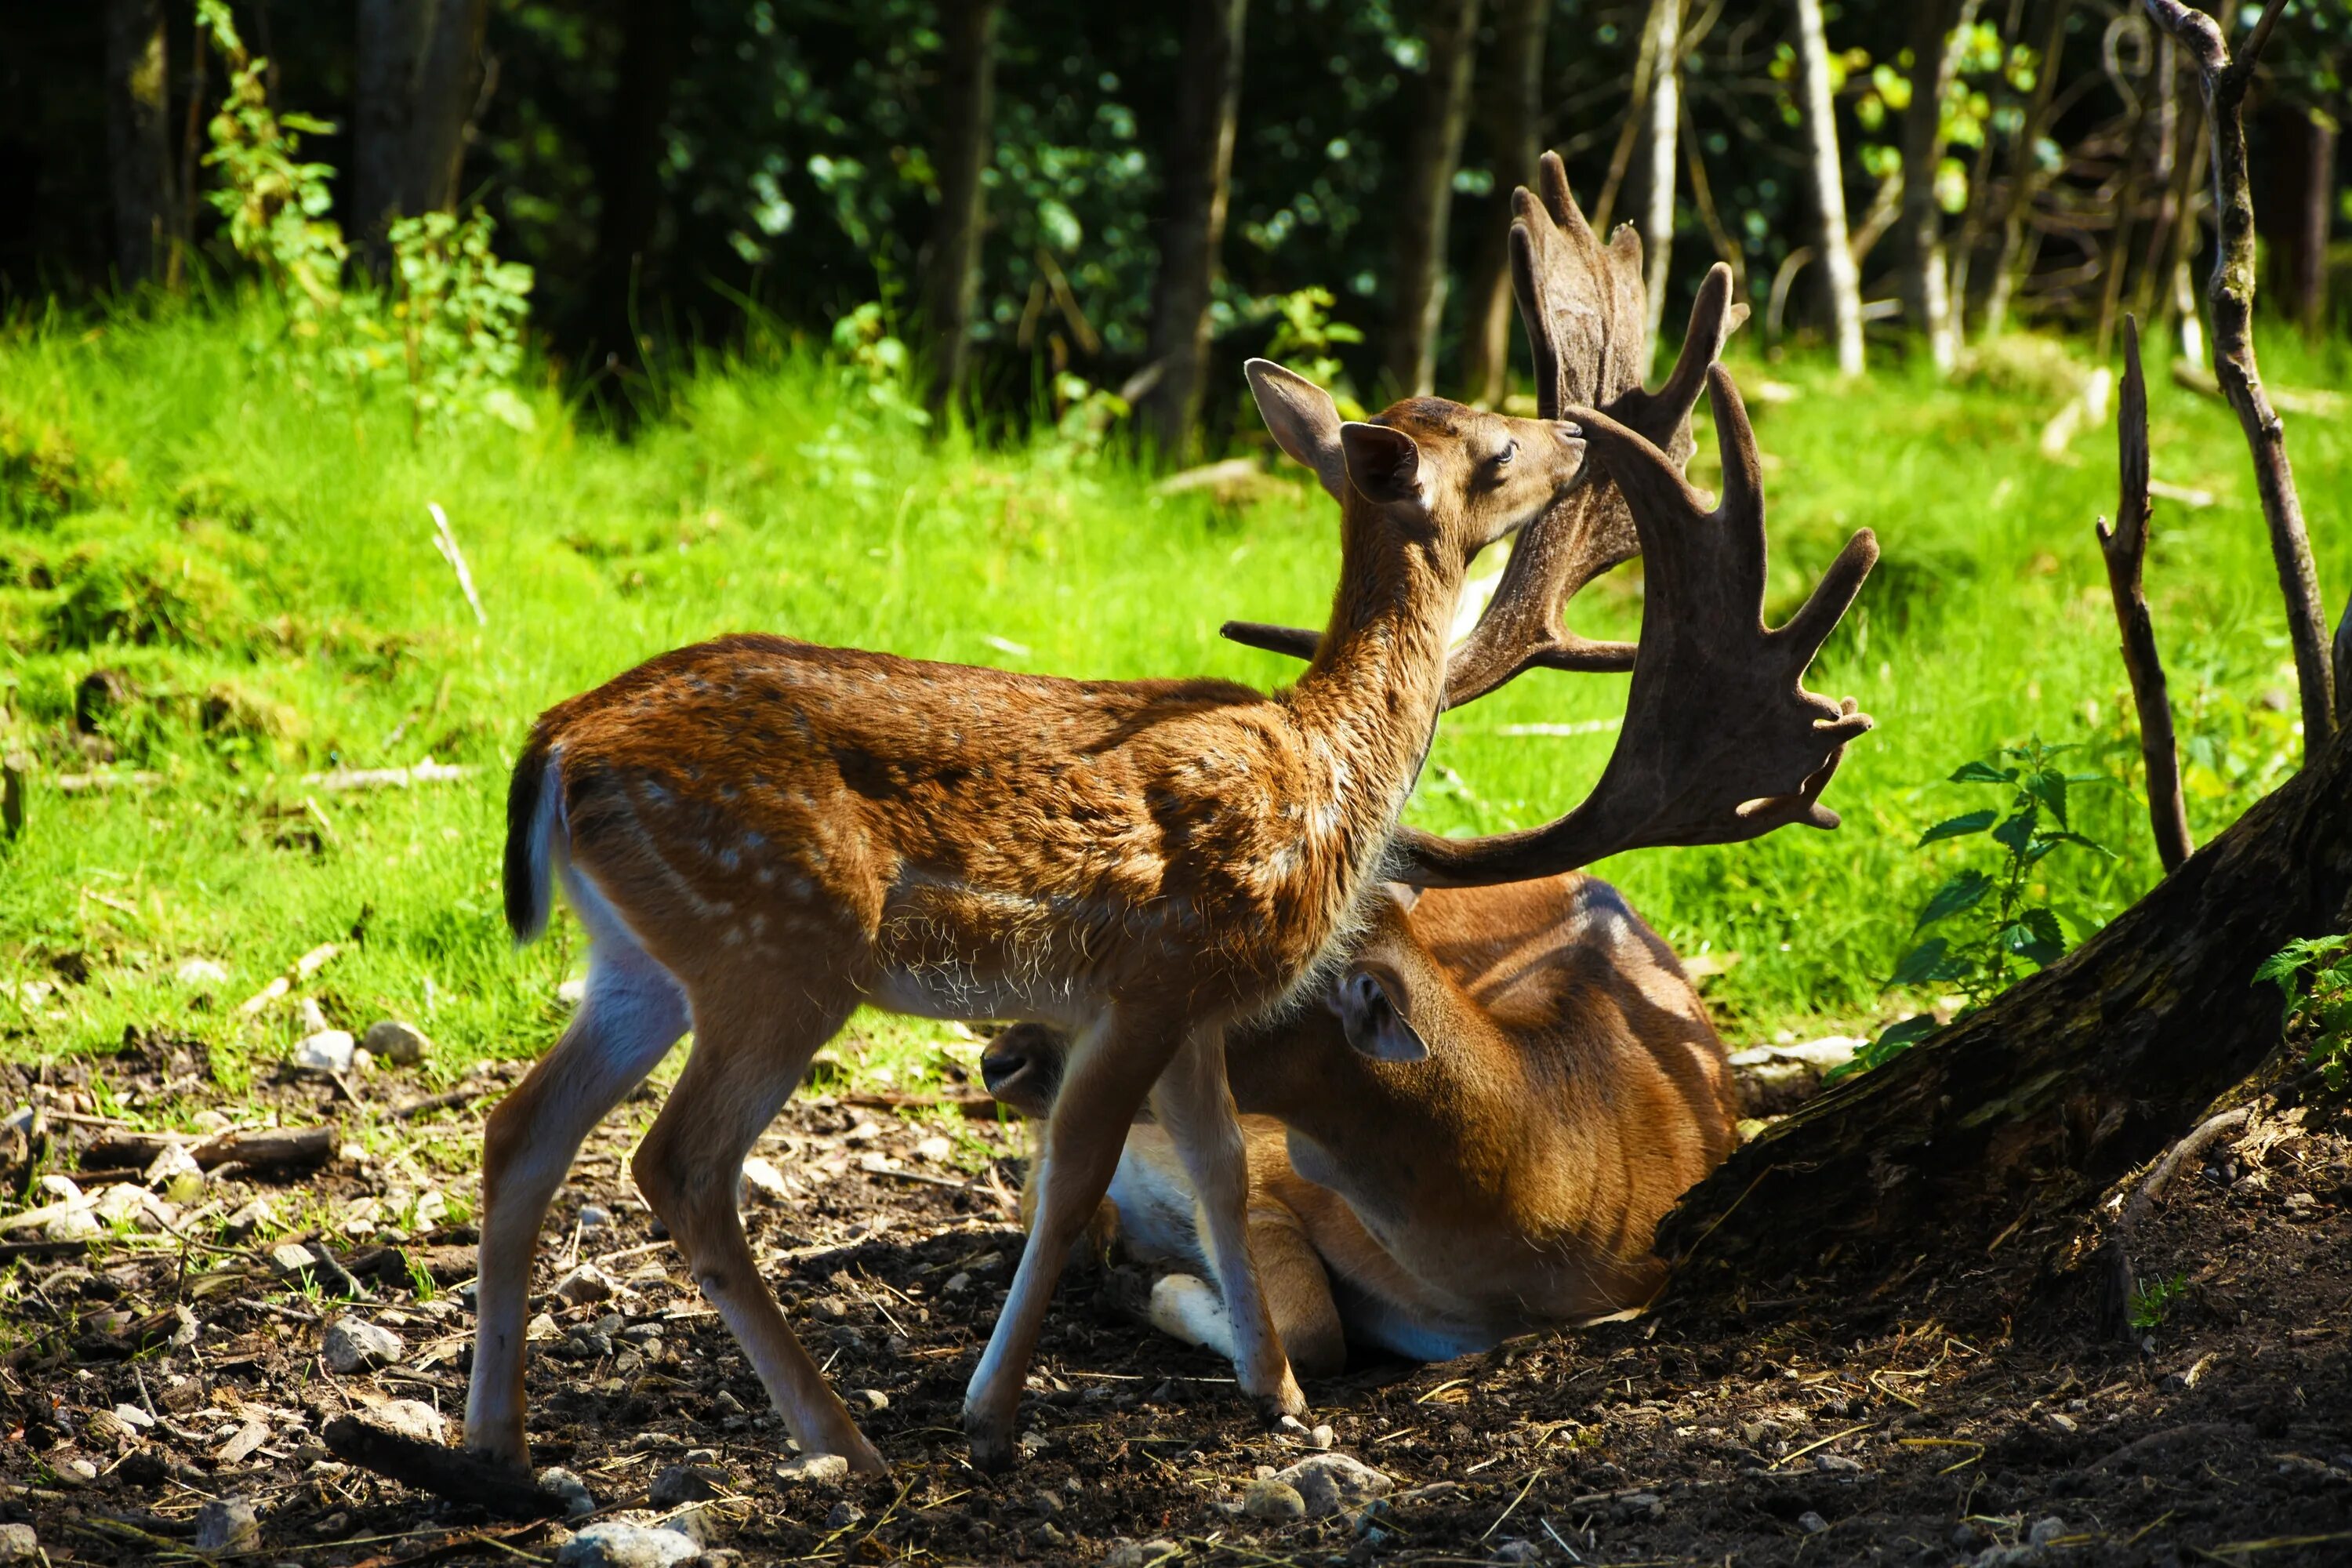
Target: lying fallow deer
[[1474, 1138]]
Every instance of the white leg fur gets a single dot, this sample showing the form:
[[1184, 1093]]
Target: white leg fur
[[1187, 1308]]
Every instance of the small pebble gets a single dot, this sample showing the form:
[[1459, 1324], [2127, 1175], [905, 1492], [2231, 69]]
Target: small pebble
[[578, 1501], [226, 1524], [814, 1469], [1272, 1502], [843, 1515], [403, 1045], [1811, 1523], [2046, 1530], [355, 1344]]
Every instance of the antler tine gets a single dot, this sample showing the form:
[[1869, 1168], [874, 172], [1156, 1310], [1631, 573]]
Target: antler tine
[[1721, 741]]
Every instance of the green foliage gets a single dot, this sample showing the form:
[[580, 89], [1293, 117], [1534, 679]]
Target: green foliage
[[460, 313], [2151, 1304], [1306, 339], [276, 205], [2007, 924], [2315, 976]]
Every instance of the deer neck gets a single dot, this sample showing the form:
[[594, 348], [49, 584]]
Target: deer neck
[[1377, 682]]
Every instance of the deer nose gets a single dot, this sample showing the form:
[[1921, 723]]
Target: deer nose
[[1568, 431]]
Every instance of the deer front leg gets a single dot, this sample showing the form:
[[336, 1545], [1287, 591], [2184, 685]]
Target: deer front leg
[[748, 1053], [1195, 1107], [631, 1017], [1110, 1069]]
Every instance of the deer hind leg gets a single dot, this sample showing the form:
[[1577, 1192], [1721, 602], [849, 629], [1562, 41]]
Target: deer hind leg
[[1299, 1293], [1194, 1106], [632, 1015], [749, 1052], [1110, 1069]]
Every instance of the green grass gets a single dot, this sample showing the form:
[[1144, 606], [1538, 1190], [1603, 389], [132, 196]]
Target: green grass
[[257, 559]]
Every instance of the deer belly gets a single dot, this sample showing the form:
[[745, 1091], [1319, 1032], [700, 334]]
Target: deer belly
[[1156, 1203]]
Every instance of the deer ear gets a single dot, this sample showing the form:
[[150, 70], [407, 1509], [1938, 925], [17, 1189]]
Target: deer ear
[[1383, 464], [1373, 1003], [1304, 420]]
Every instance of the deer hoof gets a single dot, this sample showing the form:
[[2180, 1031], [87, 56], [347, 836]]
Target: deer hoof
[[993, 1451], [1287, 1402]]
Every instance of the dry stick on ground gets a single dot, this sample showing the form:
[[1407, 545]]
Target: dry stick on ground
[[450, 1473], [2232, 291], [2126, 548], [2120, 1286]]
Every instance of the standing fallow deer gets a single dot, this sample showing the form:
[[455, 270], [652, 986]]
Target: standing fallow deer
[[1474, 1139]]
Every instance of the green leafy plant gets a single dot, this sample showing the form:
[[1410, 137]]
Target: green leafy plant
[[2315, 976], [1306, 337], [460, 312], [1990, 922], [2151, 1304], [275, 204]]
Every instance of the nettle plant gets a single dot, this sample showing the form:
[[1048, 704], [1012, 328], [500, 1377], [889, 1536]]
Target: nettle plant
[[1989, 925], [2314, 977], [451, 335]]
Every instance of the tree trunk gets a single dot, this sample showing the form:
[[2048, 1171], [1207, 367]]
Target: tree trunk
[[1665, 121], [2294, 212], [628, 174], [1516, 102], [1924, 276], [1192, 222], [2036, 1104], [138, 137], [1842, 277], [419, 79], [1441, 112], [948, 272]]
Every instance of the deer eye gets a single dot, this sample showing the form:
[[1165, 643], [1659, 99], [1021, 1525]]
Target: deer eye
[[1502, 459]]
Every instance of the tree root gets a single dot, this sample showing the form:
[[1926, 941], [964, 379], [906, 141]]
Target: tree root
[[2113, 1266]]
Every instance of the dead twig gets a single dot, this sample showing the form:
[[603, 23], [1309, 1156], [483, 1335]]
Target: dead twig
[[2115, 1269], [2126, 549]]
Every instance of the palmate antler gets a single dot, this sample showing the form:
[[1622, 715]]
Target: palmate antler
[[1721, 741]]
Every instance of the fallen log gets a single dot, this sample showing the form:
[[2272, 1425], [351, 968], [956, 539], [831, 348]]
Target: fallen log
[[450, 1473], [275, 1150], [2063, 1085]]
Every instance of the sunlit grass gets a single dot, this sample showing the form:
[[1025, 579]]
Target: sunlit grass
[[299, 617]]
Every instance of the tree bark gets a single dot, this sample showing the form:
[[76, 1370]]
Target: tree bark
[[2036, 1104], [2126, 549], [139, 137], [1192, 222], [1840, 273], [628, 174], [2294, 217], [948, 272], [1425, 196], [1923, 278], [1665, 123], [419, 79], [2231, 291], [1513, 129]]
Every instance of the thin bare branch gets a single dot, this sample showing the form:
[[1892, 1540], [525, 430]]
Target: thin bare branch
[[2125, 549]]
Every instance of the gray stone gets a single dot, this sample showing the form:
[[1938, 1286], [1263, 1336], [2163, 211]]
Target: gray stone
[[699, 1524], [595, 1216], [871, 1400], [1517, 1551], [1126, 1553], [843, 1514], [404, 1045], [578, 1501], [1811, 1523], [328, 1051], [1272, 1502], [409, 1418], [584, 1286], [19, 1544], [1332, 1483], [226, 1524], [615, 1544], [686, 1483], [814, 1469], [355, 1344], [2046, 1530]]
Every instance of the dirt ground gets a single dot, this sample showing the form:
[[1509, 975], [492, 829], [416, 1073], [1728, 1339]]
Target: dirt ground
[[1962, 1413]]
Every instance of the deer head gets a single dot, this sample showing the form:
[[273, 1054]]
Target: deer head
[[1721, 741]]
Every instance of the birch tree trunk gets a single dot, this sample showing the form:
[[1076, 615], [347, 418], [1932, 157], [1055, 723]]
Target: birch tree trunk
[[1843, 276], [949, 268], [1425, 196], [1193, 223], [138, 137], [1516, 100], [1666, 121]]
